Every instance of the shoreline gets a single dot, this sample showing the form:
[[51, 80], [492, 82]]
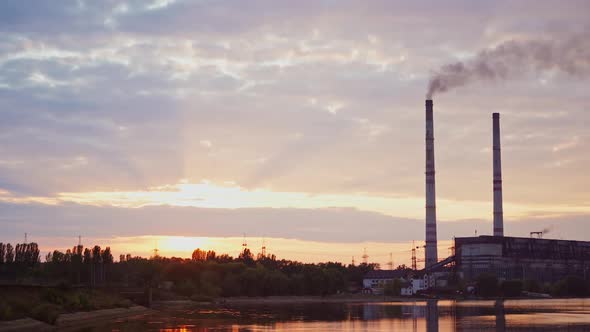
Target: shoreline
[[313, 299], [75, 321], [89, 318]]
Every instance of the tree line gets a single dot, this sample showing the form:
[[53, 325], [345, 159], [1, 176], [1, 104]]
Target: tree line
[[205, 274], [26, 254]]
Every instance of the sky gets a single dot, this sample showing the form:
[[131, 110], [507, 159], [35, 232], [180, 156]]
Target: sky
[[299, 124]]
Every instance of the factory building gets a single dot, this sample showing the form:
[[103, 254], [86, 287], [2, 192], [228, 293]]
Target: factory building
[[510, 258]]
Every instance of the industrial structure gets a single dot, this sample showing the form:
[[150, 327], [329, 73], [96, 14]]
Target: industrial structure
[[508, 258], [523, 258], [498, 210], [431, 244]]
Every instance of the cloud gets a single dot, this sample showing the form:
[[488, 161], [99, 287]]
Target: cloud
[[110, 97]]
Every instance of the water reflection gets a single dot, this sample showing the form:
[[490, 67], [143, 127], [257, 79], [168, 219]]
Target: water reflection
[[432, 315]]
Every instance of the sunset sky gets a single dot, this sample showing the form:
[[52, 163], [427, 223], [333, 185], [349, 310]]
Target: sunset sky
[[191, 123]]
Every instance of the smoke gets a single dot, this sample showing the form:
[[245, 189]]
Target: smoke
[[513, 59]]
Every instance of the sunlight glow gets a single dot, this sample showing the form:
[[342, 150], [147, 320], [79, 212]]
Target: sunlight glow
[[230, 196]]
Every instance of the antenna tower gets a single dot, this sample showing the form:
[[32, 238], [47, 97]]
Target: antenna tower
[[156, 250], [365, 256]]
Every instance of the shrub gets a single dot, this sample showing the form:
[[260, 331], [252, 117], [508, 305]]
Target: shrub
[[5, 311], [84, 302], [124, 303], [186, 288], [392, 288], [19, 308], [53, 296], [46, 312]]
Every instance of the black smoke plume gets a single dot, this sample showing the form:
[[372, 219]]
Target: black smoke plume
[[515, 58]]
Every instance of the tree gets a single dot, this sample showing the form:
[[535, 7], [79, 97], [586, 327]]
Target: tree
[[247, 257], [9, 254], [211, 255], [57, 257], [2, 253], [107, 256], [199, 255], [392, 288]]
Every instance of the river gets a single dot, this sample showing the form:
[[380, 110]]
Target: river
[[432, 315]]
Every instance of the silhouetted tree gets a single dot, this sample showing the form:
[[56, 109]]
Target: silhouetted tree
[[246, 257], [211, 255], [199, 255], [9, 254], [2, 253]]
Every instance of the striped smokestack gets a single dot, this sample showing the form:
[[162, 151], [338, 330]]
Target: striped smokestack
[[431, 251], [498, 212]]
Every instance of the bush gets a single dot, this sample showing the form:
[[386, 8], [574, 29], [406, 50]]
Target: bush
[[392, 288], [84, 302], [186, 288], [46, 312], [53, 296], [124, 303], [5, 311], [19, 308]]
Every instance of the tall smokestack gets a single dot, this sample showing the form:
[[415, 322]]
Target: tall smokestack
[[431, 251], [498, 212]]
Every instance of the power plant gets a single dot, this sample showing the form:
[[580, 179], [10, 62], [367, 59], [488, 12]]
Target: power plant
[[535, 258]]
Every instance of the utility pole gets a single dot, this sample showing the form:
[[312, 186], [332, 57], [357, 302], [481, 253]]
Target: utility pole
[[263, 247], [26, 241], [365, 256], [414, 267], [352, 260], [244, 244]]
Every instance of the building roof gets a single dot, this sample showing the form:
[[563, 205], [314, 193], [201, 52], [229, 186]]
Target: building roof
[[385, 274]]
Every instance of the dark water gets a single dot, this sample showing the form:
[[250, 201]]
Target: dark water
[[512, 315]]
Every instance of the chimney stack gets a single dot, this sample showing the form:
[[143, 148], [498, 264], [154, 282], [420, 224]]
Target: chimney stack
[[431, 244], [498, 212]]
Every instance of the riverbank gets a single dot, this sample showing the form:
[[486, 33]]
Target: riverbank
[[47, 304], [314, 299], [77, 320]]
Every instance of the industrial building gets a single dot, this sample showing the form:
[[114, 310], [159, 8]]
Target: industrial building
[[510, 258]]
